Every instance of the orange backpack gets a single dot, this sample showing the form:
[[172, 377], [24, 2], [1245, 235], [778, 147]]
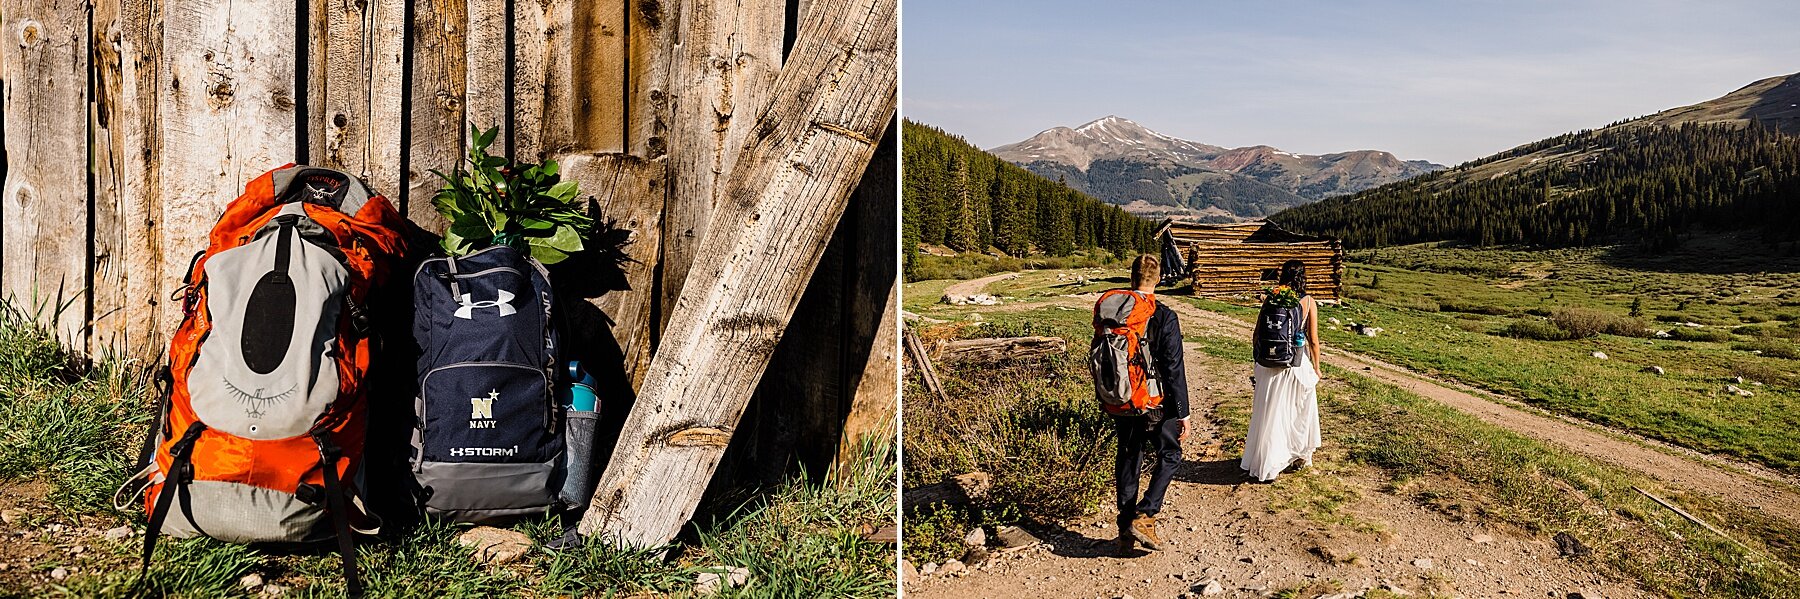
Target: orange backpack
[[259, 435], [1125, 379]]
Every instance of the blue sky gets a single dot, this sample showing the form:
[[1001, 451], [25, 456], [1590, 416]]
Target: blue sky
[[1443, 81]]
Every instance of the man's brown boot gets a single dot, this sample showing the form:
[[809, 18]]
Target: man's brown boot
[[1144, 530]]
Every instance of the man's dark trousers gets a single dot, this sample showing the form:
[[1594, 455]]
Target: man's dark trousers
[[1134, 433]]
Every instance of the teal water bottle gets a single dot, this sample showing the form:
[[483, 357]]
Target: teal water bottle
[[581, 407]]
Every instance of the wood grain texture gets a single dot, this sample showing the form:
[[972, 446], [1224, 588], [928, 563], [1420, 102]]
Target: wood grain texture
[[358, 128], [629, 191], [876, 400], [650, 53], [485, 96], [227, 115], [543, 84], [995, 349], [127, 192], [730, 53], [598, 76], [783, 199], [44, 209], [436, 112]]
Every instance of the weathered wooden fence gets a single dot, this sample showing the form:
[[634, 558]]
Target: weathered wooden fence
[[129, 124]]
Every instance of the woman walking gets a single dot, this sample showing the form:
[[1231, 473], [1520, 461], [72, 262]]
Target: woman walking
[[1284, 416]]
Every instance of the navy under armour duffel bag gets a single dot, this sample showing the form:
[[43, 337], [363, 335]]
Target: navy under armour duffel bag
[[488, 441]]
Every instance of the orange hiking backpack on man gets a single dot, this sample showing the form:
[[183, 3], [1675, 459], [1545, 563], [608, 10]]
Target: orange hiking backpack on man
[[259, 434], [1125, 378]]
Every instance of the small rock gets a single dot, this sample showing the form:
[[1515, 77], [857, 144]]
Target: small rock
[[1334, 320], [1209, 588], [1482, 539], [929, 569], [1693, 325], [712, 581], [1656, 370], [251, 582], [9, 515], [1599, 354], [1662, 335], [59, 573], [1584, 594], [1247, 559], [273, 590], [1569, 546], [975, 538], [77, 550], [119, 533], [952, 568], [975, 556], [494, 546], [1739, 391], [1423, 563], [1736, 379]]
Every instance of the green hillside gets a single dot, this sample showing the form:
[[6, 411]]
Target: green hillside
[[958, 196]]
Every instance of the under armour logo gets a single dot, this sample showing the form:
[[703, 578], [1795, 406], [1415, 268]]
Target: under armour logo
[[503, 302], [481, 410]]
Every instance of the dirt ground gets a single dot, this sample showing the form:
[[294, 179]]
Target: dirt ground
[[1218, 528]]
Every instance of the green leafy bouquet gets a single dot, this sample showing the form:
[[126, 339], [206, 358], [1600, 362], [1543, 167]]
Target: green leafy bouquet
[[496, 202]]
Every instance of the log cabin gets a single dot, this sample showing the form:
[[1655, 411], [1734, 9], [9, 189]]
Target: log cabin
[[1237, 259]]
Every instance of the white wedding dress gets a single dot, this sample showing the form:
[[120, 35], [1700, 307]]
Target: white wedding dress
[[1284, 419]]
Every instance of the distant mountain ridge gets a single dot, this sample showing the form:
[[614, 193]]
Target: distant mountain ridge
[[1730, 163], [1122, 162]]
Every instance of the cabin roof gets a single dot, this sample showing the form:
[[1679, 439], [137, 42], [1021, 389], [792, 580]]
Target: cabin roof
[[1245, 232]]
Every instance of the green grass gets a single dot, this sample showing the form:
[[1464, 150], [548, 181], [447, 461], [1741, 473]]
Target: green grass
[[1497, 341], [967, 265], [73, 428]]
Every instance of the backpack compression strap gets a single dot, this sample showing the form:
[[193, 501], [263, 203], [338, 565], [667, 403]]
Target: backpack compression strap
[[340, 517], [181, 470]]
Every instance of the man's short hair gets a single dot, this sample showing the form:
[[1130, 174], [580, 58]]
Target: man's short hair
[[1145, 268]]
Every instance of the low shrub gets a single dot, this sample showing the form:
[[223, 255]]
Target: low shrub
[[1454, 305], [1757, 371], [1541, 330], [1364, 294], [1582, 323], [1750, 331]]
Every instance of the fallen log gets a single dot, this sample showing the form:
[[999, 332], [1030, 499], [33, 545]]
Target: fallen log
[[915, 349], [995, 349]]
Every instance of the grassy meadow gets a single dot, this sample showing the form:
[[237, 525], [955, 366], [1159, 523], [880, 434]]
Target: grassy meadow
[[1035, 428], [73, 428]]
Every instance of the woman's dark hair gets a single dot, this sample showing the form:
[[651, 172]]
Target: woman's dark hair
[[1293, 274]]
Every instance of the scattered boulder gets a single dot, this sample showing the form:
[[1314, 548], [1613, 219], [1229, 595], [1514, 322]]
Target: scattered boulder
[[495, 546], [1738, 391], [1656, 370], [9, 516], [952, 568], [908, 572], [1423, 563], [273, 590], [929, 569], [251, 582], [1482, 539], [1599, 354], [1693, 325], [1662, 334], [59, 574], [1569, 546], [976, 537], [1209, 588], [1736, 379], [717, 579]]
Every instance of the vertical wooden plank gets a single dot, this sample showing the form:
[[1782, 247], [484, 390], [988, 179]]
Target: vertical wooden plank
[[486, 68], [127, 191], [783, 198], [598, 78], [630, 192], [436, 114], [730, 53], [543, 99], [45, 205], [359, 63], [650, 49], [875, 404], [227, 115]]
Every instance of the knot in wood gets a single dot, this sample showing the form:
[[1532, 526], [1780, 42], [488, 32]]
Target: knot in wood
[[700, 436], [30, 33], [281, 99], [219, 91]]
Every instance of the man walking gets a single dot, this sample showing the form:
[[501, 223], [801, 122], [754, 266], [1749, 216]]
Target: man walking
[[1161, 425]]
